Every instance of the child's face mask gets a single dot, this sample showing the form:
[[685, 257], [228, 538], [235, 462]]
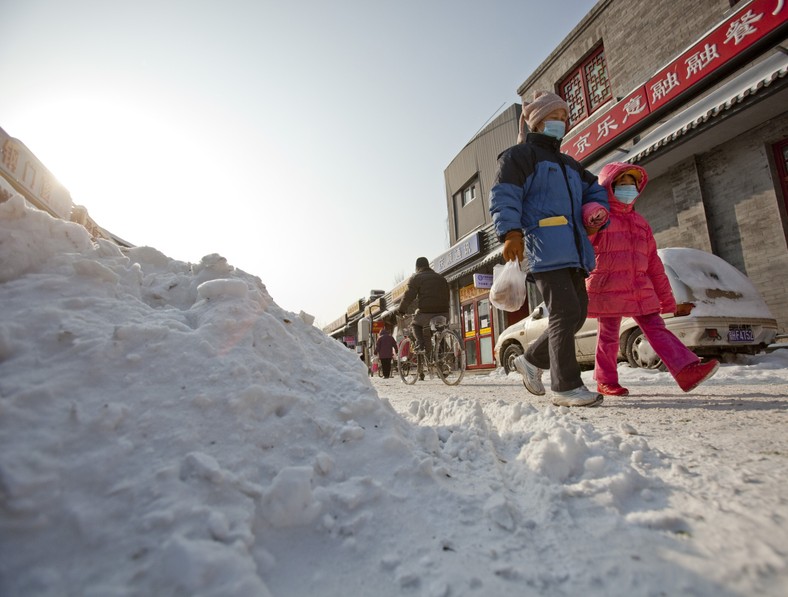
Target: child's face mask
[[626, 193], [554, 128]]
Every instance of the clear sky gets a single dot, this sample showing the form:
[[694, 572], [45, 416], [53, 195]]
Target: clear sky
[[305, 141]]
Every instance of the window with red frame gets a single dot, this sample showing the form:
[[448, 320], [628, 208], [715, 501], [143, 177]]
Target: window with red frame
[[587, 87]]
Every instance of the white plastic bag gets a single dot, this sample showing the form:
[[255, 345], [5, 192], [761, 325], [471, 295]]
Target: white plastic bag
[[508, 287]]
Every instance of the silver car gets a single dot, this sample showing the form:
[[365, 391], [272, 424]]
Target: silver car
[[721, 312]]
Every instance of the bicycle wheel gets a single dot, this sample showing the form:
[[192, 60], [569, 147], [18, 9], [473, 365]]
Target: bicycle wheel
[[449, 358], [407, 362]]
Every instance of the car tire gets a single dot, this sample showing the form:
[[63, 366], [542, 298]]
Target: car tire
[[635, 352], [510, 353]]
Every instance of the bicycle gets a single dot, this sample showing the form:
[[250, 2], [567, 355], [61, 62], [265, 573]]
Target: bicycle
[[446, 356]]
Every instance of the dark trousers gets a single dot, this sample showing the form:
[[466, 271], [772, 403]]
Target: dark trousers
[[564, 292], [386, 365], [420, 325]]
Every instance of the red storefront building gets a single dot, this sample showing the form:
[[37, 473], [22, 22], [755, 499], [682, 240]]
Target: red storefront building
[[696, 93]]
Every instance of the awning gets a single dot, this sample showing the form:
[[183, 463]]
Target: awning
[[390, 312], [493, 255]]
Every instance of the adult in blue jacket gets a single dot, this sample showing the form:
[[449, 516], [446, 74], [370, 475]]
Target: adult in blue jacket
[[536, 206]]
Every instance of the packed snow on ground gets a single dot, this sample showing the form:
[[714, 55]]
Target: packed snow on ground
[[167, 429]]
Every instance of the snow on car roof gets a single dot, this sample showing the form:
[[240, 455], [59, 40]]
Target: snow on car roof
[[716, 287]]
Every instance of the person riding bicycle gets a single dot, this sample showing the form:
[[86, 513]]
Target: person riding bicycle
[[432, 291]]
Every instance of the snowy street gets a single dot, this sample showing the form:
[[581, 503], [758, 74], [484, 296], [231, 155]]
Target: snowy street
[[719, 456]]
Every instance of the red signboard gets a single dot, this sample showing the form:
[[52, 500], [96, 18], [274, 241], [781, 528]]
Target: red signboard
[[622, 116], [727, 40], [747, 26]]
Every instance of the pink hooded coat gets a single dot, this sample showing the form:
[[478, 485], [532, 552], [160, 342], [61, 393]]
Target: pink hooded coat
[[629, 278]]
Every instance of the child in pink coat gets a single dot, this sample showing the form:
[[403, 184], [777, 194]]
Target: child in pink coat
[[630, 281]]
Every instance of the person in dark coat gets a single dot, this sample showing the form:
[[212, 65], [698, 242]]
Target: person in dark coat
[[432, 291], [385, 349]]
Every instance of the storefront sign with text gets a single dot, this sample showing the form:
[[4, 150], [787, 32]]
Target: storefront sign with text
[[482, 280], [462, 251], [721, 45]]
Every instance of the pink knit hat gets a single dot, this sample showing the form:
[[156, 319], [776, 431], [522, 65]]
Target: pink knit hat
[[544, 103]]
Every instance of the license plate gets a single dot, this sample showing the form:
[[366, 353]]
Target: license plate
[[740, 335]]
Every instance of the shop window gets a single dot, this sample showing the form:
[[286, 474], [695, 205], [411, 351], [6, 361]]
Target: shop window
[[586, 87]]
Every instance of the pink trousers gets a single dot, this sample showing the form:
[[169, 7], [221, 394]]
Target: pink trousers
[[670, 349]]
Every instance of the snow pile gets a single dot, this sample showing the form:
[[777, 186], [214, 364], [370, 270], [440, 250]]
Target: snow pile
[[159, 420], [167, 429]]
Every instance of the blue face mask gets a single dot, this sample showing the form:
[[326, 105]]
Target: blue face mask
[[626, 193], [554, 128]]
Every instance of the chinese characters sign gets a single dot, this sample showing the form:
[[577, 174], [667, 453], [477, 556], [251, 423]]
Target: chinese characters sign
[[610, 125], [399, 290], [461, 251], [336, 324], [375, 307], [19, 165], [723, 43], [482, 280], [355, 308]]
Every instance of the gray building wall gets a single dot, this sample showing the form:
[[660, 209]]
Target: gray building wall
[[724, 201], [744, 211], [640, 36], [478, 160], [673, 205]]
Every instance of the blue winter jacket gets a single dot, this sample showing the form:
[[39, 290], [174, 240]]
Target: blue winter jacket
[[531, 192]]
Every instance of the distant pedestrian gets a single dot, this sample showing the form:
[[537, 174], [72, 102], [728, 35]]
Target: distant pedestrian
[[386, 349], [630, 281]]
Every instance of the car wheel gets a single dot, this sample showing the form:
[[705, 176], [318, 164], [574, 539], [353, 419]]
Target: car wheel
[[510, 353], [639, 352]]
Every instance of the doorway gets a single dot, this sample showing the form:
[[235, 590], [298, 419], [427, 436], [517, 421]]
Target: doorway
[[477, 331]]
